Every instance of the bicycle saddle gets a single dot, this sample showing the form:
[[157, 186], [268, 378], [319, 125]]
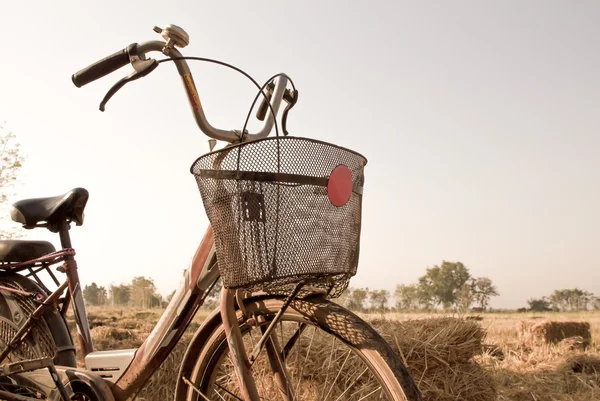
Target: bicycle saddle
[[54, 210]]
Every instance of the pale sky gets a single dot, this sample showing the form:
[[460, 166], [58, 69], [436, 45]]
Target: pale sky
[[480, 121]]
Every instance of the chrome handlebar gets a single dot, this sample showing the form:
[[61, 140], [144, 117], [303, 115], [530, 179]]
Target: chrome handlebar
[[135, 55]]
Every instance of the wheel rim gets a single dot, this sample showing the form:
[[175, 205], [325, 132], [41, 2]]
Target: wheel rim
[[319, 366]]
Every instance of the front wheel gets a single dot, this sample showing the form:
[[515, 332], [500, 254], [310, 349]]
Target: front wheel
[[328, 352]]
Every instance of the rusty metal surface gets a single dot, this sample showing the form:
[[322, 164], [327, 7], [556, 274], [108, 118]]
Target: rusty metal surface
[[5, 395], [278, 367], [50, 258], [81, 320], [98, 385], [241, 364], [33, 318], [20, 292], [173, 322]]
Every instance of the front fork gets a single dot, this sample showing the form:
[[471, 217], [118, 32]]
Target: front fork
[[241, 363]]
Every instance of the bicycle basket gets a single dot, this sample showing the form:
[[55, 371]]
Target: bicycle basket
[[284, 210]]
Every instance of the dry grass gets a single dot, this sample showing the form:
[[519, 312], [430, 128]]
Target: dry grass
[[542, 371], [552, 332], [518, 370], [439, 353]]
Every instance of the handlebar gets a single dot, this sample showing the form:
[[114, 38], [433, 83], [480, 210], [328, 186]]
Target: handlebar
[[136, 55], [102, 67]]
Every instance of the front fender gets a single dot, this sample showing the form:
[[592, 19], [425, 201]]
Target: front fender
[[210, 324], [202, 335]]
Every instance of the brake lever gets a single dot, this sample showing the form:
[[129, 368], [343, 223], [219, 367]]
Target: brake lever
[[143, 68], [290, 97]]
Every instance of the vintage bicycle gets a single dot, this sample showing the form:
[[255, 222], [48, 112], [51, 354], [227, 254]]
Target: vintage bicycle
[[285, 216]]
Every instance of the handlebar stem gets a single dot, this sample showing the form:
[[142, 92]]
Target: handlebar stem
[[196, 106]]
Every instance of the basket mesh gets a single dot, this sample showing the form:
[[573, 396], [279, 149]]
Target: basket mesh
[[273, 223]]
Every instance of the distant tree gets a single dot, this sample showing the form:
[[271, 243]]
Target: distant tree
[[378, 299], [142, 291], [358, 298], [91, 294], [120, 294], [170, 296], [441, 283], [10, 165], [407, 297], [558, 300], [464, 298], [102, 296], [573, 299], [156, 300], [483, 289], [539, 305], [596, 303]]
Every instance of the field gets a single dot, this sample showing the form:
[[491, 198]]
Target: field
[[516, 368]]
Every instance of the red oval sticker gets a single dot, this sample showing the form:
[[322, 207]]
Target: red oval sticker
[[339, 187]]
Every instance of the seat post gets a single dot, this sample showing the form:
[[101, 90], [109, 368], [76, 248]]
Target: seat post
[[65, 238], [81, 320]]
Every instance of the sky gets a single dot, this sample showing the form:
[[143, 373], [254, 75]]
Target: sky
[[480, 121]]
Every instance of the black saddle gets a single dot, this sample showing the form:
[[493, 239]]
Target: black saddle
[[16, 251], [53, 211]]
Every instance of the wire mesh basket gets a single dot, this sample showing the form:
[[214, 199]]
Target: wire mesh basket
[[284, 210]]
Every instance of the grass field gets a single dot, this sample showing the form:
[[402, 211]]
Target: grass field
[[519, 370]]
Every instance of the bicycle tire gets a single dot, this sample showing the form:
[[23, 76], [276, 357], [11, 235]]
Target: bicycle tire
[[332, 323], [50, 338]]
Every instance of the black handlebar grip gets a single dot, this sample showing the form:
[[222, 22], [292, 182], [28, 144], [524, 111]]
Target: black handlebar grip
[[103, 67]]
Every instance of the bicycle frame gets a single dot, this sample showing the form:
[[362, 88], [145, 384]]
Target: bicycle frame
[[197, 282], [182, 308]]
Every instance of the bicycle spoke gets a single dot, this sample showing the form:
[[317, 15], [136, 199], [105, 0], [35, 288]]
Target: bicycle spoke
[[292, 341], [189, 383], [227, 391], [372, 392], [304, 364], [330, 359], [352, 385], [317, 367], [338, 375]]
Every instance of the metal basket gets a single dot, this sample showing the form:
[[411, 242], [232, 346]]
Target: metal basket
[[279, 214]]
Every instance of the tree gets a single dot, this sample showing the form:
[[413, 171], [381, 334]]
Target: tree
[[379, 299], [10, 165], [102, 296], [597, 303], [357, 298], [571, 299], [539, 305], [142, 291], [91, 294], [483, 289], [120, 294], [407, 297], [441, 283], [464, 298], [156, 300]]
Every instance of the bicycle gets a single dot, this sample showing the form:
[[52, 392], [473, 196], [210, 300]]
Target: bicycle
[[274, 307]]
